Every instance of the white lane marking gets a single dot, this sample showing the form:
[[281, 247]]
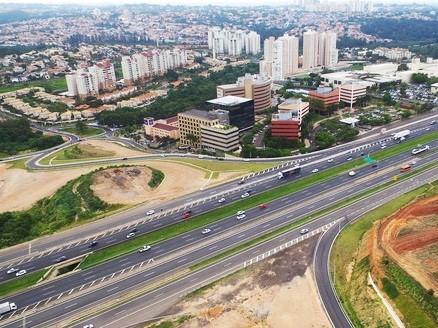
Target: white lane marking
[[71, 305]]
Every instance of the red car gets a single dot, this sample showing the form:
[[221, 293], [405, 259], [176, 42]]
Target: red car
[[186, 214], [262, 206]]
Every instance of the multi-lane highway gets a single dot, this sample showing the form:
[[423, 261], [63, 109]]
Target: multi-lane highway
[[228, 232], [181, 251], [124, 221]]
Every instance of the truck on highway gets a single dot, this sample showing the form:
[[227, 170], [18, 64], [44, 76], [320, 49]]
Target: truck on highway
[[402, 135], [7, 307], [420, 149], [288, 172]]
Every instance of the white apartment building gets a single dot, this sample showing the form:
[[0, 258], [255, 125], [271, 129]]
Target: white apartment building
[[310, 49], [281, 57], [151, 63], [319, 49], [86, 82], [233, 42]]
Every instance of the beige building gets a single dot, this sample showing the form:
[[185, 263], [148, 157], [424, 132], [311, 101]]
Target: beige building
[[349, 93], [190, 123], [296, 107], [167, 128], [254, 87], [220, 137]]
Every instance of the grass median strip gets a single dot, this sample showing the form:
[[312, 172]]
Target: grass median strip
[[198, 221], [20, 283]]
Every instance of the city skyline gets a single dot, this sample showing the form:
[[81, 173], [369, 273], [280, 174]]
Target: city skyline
[[196, 2]]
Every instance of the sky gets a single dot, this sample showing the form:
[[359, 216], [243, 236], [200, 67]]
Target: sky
[[192, 2]]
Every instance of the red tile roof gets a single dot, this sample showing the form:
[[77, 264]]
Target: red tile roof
[[165, 127]]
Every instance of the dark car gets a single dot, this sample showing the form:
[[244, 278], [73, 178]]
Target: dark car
[[375, 165], [124, 158], [134, 230], [93, 243], [241, 182]]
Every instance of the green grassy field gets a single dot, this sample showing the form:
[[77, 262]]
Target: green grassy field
[[76, 152], [54, 84], [87, 132], [344, 263]]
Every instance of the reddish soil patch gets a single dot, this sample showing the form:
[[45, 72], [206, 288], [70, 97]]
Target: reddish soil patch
[[409, 237]]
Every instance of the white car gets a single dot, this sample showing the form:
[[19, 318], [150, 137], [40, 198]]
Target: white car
[[244, 195], [144, 248], [220, 201], [150, 212], [200, 156], [246, 160], [304, 231], [163, 155], [330, 160], [20, 273], [383, 146], [351, 173], [241, 216], [315, 170], [130, 235], [205, 231], [349, 158], [90, 325], [240, 212], [11, 270]]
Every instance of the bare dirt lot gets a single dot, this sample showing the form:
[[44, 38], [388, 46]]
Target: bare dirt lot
[[276, 293], [410, 237], [117, 149], [19, 189]]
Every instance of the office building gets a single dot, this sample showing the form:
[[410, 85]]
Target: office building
[[220, 137], [233, 42], [327, 95], [165, 128], [287, 122], [349, 93], [240, 110], [190, 123], [254, 87]]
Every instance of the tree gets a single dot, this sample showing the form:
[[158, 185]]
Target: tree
[[402, 67], [405, 114], [80, 126], [387, 99], [324, 139], [171, 75], [192, 138], [403, 87], [419, 78]]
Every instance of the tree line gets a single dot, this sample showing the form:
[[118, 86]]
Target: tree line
[[16, 135]]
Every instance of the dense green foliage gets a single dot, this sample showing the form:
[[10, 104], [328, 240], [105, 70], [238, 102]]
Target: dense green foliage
[[414, 289], [16, 136], [423, 78], [389, 288], [180, 99], [401, 30], [51, 85], [332, 131], [73, 202], [156, 179], [427, 50]]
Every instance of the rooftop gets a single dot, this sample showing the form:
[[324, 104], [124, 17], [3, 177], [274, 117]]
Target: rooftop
[[228, 100], [165, 127], [199, 113], [349, 120]]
